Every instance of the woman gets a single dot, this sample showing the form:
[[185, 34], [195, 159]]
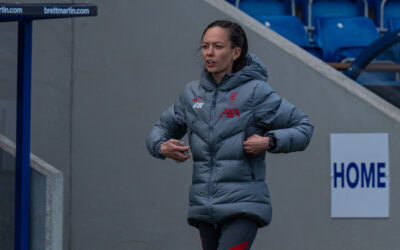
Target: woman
[[232, 117]]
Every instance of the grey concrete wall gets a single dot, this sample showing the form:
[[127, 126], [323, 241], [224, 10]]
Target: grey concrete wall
[[130, 63], [101, 83], [46, 201]]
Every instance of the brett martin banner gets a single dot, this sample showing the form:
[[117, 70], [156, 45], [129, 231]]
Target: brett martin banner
[[359, 175]]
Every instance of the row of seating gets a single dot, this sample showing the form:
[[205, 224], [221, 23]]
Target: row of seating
[[382, 12], [337, 31], [336, 36], [336, 39]]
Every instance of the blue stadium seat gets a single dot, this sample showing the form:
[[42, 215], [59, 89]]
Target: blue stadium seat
[[292, 29], [391, 10], [334, 8], [344, 37], [259, 8], [289, 27], [233, 2], [394, 23]]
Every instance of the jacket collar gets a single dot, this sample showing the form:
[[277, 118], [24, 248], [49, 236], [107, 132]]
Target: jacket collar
[[254, 69]]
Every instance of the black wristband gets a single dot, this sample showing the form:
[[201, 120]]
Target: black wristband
[[272, 141]]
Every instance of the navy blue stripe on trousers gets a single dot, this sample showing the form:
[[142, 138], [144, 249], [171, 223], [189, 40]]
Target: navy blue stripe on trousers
[[234, 234]]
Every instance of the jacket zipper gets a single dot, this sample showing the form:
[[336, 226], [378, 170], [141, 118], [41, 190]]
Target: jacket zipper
[[210, 188]]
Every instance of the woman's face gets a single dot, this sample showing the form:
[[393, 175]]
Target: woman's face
[[217, 52]]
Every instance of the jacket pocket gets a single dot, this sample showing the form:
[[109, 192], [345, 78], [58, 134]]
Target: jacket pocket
[[247, 156]]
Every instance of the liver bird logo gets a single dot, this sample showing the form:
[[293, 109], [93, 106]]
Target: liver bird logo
[[232, 97]]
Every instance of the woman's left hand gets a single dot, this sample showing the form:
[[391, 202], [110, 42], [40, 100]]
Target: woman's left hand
[[256, 144]]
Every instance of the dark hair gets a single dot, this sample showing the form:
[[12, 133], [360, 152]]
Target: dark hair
[[237, 38]]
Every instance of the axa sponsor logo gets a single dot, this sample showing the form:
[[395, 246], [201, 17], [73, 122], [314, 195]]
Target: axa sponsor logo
[[230, 113]]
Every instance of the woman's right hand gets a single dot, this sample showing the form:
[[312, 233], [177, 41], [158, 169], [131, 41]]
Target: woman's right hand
[[171, 150]]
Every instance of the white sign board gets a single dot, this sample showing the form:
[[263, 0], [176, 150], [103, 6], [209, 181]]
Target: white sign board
[[359, 175]]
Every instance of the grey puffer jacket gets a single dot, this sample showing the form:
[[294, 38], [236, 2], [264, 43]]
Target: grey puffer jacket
[[218, 118]]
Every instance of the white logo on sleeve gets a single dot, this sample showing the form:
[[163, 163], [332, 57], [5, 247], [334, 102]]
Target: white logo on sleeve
[[198, 105]]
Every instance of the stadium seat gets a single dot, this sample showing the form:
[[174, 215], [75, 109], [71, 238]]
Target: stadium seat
[[335, 8], [394, 23], [344, 37], [259, 8], [292, 29], [289, 27], [391, 10]]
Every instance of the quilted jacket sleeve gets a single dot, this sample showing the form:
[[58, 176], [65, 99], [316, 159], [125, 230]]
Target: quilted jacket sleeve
[[291, 127], [171, 125]]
